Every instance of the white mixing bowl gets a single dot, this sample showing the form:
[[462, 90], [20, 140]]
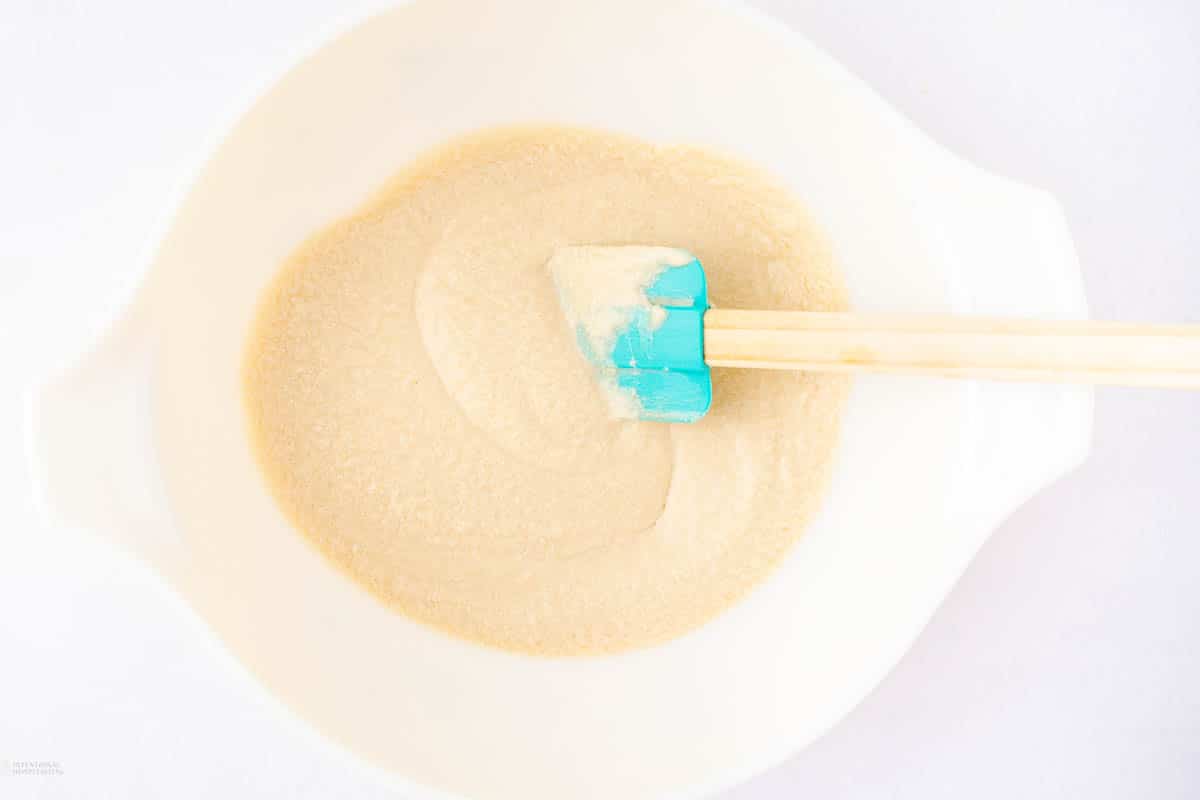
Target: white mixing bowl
[[143, 440]]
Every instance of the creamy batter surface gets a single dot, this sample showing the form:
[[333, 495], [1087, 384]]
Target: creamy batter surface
[[422, 415]]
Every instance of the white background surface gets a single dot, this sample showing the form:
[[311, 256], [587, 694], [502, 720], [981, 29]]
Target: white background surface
[[1065, 664]]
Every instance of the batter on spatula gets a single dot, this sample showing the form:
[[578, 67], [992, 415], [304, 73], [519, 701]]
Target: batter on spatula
[[421, 414]]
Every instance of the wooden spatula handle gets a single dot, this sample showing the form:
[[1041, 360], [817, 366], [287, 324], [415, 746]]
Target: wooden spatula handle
[[955, 346]]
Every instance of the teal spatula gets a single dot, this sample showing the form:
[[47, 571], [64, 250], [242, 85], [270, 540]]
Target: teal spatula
[[647, 327]]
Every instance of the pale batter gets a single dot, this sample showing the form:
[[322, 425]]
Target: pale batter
[[422, 415]]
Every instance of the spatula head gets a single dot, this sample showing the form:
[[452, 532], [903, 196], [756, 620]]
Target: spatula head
[[647, 346]]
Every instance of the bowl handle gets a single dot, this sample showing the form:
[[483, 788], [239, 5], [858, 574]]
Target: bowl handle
[[1014, 258], [91, 449]]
